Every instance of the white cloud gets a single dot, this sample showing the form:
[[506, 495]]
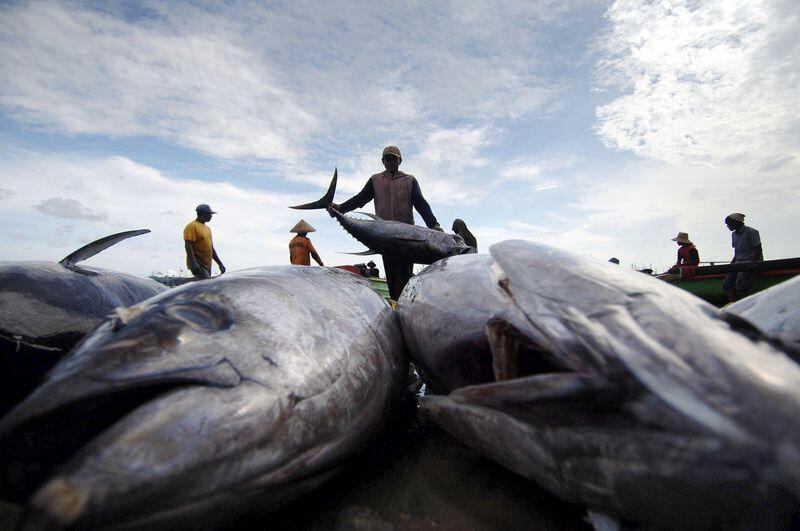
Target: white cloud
[[713, 82], [250, 229], [542, 172], [284, 82], [80, 71], [61, 207], [640, 206]]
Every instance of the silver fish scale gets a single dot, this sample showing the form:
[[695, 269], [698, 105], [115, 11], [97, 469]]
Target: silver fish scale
[[282, 373]]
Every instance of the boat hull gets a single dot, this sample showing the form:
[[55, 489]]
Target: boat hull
[[707, 280]]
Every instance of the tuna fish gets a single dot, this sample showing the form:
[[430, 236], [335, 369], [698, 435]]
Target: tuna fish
[[394, 239], [203, 402], [47, 307], [775, 312], [607, 387]]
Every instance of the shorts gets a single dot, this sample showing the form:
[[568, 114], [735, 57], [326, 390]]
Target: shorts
[[742, 281]]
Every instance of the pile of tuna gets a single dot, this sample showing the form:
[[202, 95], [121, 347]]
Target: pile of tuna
[[608, 388]]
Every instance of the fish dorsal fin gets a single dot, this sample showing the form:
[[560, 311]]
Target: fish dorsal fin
[[362, 253], [326, 200], [373, 216], [91, 249]]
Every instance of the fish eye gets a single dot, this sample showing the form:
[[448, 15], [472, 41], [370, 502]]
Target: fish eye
[[201, 316]]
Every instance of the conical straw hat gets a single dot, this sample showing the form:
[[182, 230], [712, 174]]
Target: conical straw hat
[[302, 226]]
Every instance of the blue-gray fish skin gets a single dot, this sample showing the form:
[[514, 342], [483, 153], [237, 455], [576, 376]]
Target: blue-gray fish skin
[[608, 387], [403, 241], [46, 308], [205, 401], [775, 312]]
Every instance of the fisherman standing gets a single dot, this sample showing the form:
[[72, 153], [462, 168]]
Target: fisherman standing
[[395, 193], [300, 248], [746, 242], [199, 246]]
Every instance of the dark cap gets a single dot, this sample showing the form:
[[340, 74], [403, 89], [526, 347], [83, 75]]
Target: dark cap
[[204, 208]]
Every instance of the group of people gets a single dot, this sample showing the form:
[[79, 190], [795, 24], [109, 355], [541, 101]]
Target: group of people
[[395, 194], [746, 242]]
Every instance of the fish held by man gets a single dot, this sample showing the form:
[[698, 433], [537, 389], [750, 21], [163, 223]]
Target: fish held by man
[[393, 238], [207, 401], [46, 307], [608, 387]]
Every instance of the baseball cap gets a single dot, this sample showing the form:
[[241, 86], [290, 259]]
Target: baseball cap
[[392, 150]]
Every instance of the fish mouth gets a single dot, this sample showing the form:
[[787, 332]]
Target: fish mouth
[[514, 354], [531, 384], [105, 378], [34, 446]]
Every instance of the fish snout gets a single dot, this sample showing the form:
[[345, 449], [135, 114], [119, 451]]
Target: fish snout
[[58, 504]]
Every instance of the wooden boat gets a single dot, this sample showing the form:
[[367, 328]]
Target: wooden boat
[[378, 284], [706, 281]]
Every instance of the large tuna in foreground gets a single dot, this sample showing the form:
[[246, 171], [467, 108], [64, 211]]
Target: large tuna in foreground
[[394, 239], [207, 400], [608, 387], [47, 307], [775, 312]]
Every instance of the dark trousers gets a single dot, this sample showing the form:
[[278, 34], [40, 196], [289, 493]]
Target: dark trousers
[[201, 273], [397, 274]]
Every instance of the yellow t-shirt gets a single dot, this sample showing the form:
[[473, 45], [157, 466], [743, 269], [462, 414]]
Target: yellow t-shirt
[[203, 248]]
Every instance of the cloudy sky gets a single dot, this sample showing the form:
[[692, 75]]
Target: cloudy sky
[[599, 127]]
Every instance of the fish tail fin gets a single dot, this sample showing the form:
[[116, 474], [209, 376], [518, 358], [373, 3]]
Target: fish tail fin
[[326, 200], [91, 249]]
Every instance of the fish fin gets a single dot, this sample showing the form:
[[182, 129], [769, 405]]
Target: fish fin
[[326, 200], [81, 270], [362, 253], [91, 249], [537, 388], [373, 216], [602, 522]]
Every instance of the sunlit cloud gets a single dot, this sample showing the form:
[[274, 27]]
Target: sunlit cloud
[[712, 83]]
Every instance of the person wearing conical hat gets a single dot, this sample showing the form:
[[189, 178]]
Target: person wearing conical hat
[[746, 243], [300, 248], [688, 255], [688, 260]]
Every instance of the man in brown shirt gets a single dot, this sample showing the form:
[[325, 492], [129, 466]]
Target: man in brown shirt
[[395, 193], [300, 248]]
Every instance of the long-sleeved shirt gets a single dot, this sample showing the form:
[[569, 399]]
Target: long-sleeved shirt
[[300, 251], [368, 193]]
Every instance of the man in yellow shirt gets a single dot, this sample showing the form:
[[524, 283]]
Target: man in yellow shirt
[[199, 246]]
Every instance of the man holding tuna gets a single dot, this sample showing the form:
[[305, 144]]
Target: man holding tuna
[[396, 194]]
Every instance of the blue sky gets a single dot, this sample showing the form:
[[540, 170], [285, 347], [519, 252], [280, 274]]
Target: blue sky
[[599, 127]]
